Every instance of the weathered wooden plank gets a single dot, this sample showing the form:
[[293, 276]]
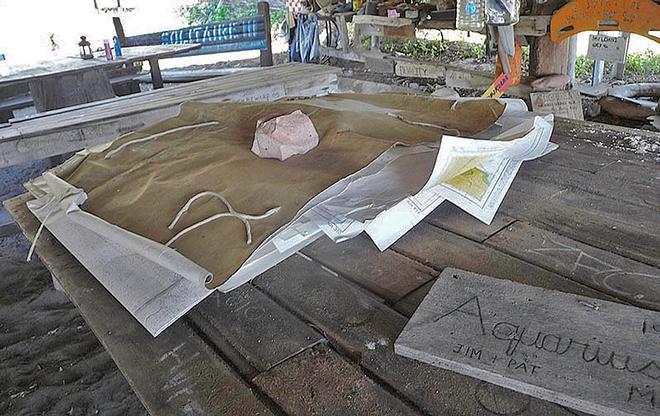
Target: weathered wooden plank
[[381, 21], [380, 65], [645, 195], [66, 131], [320, 381], [356, 321], [560, 103], [408, 304], [607, 272], [572, 158], [451, 218], [632, 172], [532, 26], [388, 274], [174, 373], [606, 160], [416, 69], [341, 310], [464, 78], [70, 89], [593, 145], [606, 134], [72, 65], [596, 356], [262, 331], [600, 222], [440, 249]]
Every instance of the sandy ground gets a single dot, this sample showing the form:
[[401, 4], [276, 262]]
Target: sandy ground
[[51, 361]]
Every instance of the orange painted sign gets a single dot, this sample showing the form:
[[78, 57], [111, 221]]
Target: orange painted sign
[[498, 86], [634, 16], [515, 64]]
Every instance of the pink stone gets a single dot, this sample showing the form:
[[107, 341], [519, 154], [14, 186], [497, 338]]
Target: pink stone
[[550, 82], [284, 136]]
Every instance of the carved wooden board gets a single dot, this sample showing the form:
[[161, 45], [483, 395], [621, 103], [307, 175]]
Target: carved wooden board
[[634, 16], [595, 356], [607, 48], [417, 69], [463, 78], [560, 103]]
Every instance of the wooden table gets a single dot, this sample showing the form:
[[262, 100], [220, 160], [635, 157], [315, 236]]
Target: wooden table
[[70, 81], [314, 334], [70, 129]]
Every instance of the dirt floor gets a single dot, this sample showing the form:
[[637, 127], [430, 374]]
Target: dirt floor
[[52, 363]]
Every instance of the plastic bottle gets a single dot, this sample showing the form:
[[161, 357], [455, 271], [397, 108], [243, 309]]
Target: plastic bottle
[[117, 46], [108, 50], [470, 15]]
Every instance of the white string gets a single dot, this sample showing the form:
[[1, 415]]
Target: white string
[[420, 123], [54, 200], [232, 213], [156, 136]]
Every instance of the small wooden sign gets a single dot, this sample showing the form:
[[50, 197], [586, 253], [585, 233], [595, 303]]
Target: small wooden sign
[[499, 86], [462, 78], [566, 104], [607, 48], [418, 70], [596, 356]]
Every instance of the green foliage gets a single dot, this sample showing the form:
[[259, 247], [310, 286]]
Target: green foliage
[[431, 50], [643, 64], [583, 66], [208, 11]]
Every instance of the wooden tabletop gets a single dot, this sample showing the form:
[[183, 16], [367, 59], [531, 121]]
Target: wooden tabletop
[[11, 74], [314, 335]]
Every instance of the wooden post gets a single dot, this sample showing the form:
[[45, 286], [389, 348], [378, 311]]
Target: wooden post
[[572, 57], [156, 76], [620, 67], [343, 32], [119, 30], [545, 56], [597, 76], [266, 56]]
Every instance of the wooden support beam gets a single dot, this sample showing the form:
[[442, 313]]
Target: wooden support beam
[[266, 56], [545, 56], [156, 76], [119, 30], [532, 26], [362, 19]]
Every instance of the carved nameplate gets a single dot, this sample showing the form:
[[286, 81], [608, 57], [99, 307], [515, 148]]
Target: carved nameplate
[[595, 356], [462, 78], [560, 103], [418, 70]]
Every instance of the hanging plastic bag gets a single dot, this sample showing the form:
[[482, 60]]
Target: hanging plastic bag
[[502, 12]]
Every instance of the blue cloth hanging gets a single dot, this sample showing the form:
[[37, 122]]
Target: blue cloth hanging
[[305, 45]]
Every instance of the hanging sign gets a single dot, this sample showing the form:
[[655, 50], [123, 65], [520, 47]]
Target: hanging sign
[[607, 48]]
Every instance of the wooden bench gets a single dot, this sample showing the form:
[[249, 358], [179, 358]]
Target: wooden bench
[[252, 33]]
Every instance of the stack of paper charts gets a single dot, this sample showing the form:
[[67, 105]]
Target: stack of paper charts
[[134, 212]]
